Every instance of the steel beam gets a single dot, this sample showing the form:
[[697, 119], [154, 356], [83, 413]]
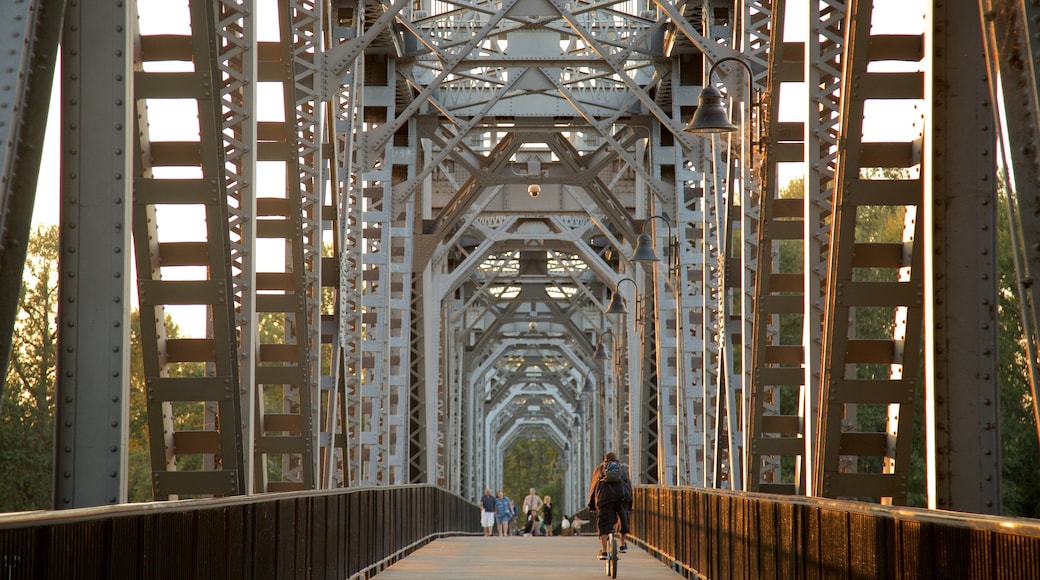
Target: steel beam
[[92, 394], [962, 386], [28, 52]]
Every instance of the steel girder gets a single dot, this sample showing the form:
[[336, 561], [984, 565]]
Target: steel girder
[[439, 128], [236, 29], [92, 393], [785, 370], [1009, 30], [861, 371], [28, 53], [961, 193], [197, 374]]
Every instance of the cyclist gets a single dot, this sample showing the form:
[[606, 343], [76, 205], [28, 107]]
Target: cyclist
[[610, 496]]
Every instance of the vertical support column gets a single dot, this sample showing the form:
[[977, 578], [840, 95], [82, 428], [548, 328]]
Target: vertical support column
[[713, 321], [236, 28], [867, 401], [94, 264], [289, 368], [962, 390], [773, 431], [1010, 41], [189, 375], [823, 65]]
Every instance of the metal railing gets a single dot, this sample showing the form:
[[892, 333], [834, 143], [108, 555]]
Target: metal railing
[[704, 533], [351, 533]]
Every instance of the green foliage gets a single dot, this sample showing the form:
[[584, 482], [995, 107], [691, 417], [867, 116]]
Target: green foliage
[[535, 463], [27, 418], [1018, 431], [139, 468]]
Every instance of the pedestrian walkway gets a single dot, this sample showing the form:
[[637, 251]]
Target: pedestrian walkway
[[570, 558]]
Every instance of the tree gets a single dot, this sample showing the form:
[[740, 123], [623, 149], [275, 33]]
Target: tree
[[1020, 496], [27, 418], [534, 463]]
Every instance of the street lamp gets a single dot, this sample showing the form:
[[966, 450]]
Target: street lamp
[[617, 303], [711, 116], [644, 252], [602, 353]]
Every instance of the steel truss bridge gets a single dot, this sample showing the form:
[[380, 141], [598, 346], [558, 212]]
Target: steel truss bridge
[[436, 201]]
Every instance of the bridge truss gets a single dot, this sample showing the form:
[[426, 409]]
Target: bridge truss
[[389, 232]]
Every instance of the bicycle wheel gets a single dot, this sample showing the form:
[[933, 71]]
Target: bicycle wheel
[[612, 556]]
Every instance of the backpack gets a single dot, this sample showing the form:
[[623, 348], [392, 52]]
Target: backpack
[[612, 472]]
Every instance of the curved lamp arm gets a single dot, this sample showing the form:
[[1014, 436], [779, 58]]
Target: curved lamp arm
[[711, 116]]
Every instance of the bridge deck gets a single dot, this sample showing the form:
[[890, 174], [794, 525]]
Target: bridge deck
[[573, 558]]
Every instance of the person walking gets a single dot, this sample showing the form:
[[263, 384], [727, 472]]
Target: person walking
[[503, 513], [532, 503], [547, 515], [487, 511], [610, 496]]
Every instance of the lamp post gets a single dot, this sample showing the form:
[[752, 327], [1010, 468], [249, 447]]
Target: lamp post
[[644, 253], [711, 118], [607, 401]]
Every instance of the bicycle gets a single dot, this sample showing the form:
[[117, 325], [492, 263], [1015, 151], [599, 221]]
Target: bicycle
[[612, 554]]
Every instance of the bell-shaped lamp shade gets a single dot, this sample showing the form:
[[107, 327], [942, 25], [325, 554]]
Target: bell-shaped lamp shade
[[617, 304], [644, 250], [710, 116], [600, 353]]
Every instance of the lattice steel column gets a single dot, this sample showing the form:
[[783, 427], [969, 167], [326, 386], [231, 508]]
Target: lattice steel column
[[172, 366], [343, 110], [882, 277], [236, 29], [824, 49], [713, 321], [775, 432], [288, 368]]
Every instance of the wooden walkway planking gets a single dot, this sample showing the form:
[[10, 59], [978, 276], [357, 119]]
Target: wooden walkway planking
[[543, 558]]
